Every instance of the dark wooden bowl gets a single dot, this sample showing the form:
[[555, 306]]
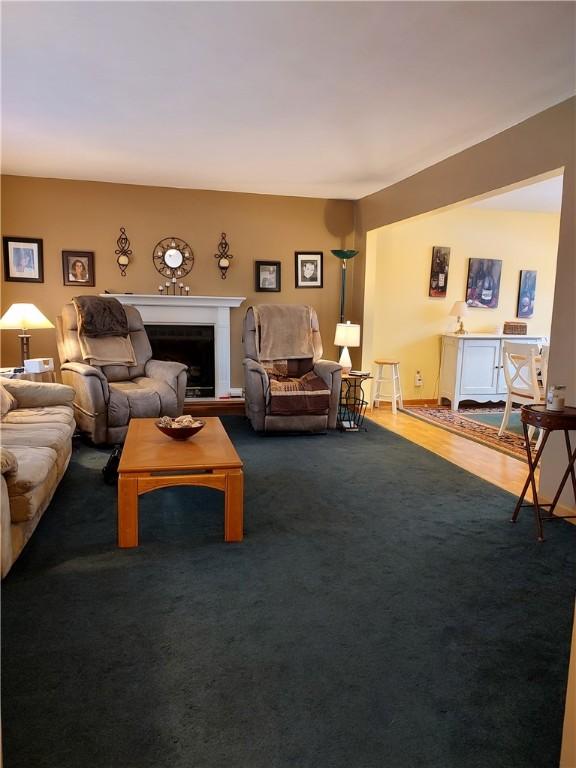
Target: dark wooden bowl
[[181, 433]]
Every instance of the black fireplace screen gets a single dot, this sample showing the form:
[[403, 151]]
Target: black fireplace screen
[[192, 345]]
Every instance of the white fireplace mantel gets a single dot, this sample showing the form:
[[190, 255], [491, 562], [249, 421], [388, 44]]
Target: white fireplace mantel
[[192, 310]]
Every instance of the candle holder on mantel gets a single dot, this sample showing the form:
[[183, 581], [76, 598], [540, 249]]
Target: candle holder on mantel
[[173, 288]]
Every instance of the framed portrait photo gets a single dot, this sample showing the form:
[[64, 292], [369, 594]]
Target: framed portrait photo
[[308, 269], [526, 293], [23, 260], [78, 268], [268, 276]]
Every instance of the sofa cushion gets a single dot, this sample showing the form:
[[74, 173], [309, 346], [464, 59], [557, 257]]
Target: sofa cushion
[[8, 460], [56, 414], [37, 473], [7, 401], [38, 435]]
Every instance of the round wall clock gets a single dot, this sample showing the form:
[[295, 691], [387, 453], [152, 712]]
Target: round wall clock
[[173, 257]]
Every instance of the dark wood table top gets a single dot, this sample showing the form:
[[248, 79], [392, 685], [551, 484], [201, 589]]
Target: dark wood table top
[[538, 416]]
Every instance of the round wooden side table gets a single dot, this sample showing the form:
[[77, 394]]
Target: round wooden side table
[[548, 422]]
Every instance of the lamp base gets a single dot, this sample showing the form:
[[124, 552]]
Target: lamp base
[[345, 360], [460, 328]]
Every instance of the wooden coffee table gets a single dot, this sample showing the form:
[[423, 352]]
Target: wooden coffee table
[[151, 460]]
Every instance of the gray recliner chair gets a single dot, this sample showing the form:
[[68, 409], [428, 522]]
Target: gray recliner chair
[[257, 383], [107, 397]]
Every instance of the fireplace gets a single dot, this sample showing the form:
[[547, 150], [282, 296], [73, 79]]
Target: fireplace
[[192, 345], [198, 313]]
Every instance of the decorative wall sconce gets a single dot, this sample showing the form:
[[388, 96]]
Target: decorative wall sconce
[[224, 258], [123, 252]]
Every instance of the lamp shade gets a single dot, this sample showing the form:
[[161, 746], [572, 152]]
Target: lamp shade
[[24, 317], [459, 309], [342, 254], [347, 335]]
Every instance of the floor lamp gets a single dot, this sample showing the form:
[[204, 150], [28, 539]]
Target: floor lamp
[[344, 256], [24, 317]]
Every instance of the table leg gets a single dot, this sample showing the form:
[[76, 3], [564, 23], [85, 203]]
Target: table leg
[[127, 511], [535, 464], [234, 506], [571, 459], [569, 471]]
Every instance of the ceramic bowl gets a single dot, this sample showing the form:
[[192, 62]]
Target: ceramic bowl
[[181, 433]]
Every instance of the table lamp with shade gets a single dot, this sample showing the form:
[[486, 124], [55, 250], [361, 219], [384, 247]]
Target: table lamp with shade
[[459, 309], [24, 317], [347, 335]]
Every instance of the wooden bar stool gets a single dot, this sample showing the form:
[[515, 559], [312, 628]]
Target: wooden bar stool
[[388, 376]]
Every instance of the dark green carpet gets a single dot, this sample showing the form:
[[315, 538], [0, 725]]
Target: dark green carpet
[[380, 613]]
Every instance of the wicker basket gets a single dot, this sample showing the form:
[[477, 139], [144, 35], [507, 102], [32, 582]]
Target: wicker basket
[[515, 328]]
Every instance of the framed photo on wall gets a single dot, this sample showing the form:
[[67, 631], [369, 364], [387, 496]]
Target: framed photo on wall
[[439, 272], [526, 293], [23, 260], [268, 275], [78, 268], [308, 269], [483, 286]]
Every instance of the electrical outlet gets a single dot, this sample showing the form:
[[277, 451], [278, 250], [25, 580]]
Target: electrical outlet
[[418, 380]]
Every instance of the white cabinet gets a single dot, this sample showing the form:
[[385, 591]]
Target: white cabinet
[[471, 367]]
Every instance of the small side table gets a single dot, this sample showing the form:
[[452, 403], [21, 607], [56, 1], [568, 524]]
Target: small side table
[[547, 421], [353, 403]]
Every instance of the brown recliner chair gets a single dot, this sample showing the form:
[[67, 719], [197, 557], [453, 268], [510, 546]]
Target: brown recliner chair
[[257, 383], [108, 396]]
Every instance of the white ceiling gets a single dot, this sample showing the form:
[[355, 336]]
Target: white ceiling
[[540, 197], [298, 98]]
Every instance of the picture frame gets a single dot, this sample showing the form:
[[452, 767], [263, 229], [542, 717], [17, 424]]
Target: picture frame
[[23, 259], [438, 284], [78, 268], [268, 276], [526, 293], [308, 269], [483, 283]]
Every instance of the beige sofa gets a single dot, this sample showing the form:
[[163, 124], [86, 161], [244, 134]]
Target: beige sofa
[[37, 424]]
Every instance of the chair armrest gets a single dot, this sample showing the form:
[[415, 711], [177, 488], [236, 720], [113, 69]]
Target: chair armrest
[[326, 369], [254, 367], [83, 369], [89, 384], [165, 371], [35, 394]]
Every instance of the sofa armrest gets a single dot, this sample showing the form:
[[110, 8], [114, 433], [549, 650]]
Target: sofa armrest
[[165, 371], [35, 394]]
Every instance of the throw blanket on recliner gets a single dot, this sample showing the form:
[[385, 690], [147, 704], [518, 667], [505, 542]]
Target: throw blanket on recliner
[[100, 316], [283, 331], [103, 331], [307, 395]]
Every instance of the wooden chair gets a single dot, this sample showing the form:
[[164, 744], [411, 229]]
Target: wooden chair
[[525, 370]]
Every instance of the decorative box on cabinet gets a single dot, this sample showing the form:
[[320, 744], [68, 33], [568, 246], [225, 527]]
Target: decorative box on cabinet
[[471, 367]]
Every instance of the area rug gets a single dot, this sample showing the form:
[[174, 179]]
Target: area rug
[[381, 611], [478, 424]]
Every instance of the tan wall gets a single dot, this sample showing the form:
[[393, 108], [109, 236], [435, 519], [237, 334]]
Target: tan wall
[[541, 144], [407, 323], [77, 215]]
